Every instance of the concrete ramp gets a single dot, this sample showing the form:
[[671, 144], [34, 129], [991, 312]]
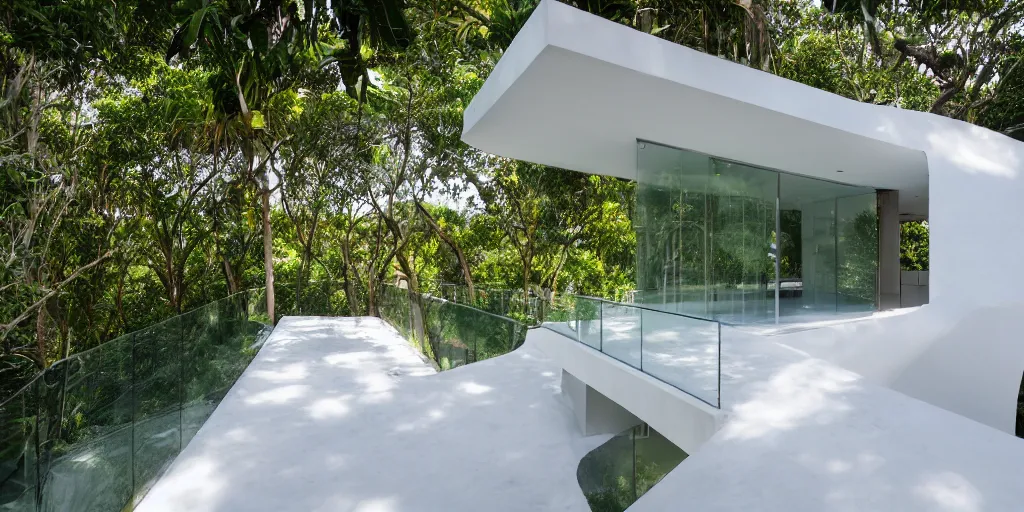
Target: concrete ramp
[[341, 414]]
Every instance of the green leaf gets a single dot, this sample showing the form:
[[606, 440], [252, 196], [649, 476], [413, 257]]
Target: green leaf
[[194, 25], [257, 121]]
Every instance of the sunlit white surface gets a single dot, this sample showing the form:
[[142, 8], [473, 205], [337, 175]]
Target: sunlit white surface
[[340, 414], [797, 433], [804, 435]]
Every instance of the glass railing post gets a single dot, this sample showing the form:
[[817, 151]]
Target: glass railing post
[[181, 382], [641, 340], [36, 445], [511, 336], [600, 326], [134, 414], [632, 438], [719, 366]]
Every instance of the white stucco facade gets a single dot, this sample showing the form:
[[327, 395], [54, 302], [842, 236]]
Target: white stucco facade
[[577, 91]]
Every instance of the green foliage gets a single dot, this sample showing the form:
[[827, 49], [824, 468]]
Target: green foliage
[[914, 246], [616, 474]]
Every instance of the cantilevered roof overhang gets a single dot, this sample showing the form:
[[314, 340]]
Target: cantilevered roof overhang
[[577, 91]]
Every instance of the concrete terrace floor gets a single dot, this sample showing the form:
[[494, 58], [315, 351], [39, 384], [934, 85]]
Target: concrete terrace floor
[[341, 414], [801, 434]]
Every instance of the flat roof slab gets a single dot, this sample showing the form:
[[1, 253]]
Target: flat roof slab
[[341, 414], [577, 91]]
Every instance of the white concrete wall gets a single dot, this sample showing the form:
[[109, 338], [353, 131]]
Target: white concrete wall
[[961, 351], [970, 364], [595, 413], [888, 249]]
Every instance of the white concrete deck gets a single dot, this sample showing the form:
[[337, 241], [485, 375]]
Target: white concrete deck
[[814, 437], [801, 434], [340, 414]]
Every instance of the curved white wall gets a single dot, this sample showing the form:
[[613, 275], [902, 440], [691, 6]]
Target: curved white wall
[[968, 361], [961, 351]]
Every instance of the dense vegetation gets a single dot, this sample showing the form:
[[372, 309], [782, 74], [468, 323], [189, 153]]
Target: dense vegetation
[[157, 155]]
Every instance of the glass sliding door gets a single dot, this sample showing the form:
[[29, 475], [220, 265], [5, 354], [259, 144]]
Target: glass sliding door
[[672, 265], [743, 244], [857, 253], [814, 214], [741, 223]]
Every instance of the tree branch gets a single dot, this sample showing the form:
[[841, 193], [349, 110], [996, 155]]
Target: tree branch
[[5, 329]]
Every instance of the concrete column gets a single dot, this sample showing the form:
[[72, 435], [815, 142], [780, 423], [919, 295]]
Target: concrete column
[[595, 413], [888, 249]]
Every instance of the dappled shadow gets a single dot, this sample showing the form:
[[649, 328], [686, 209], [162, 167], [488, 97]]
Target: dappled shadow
[[342, 414], [803, 434]]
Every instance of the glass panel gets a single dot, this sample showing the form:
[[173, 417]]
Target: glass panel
[[454, 331], [808, 276], [491, 335], [707, 244], [107, 421], [588, 321], [257, 305], [561, 316], [683, 352], [18, 469], [617, 473], [457, 334], [519, 332], [671, 224], [216, 350], [91, 465], [202, 382], [620, 333], [857, 252], [393, 304], [50, 425], [813, 212], [606, 474], [158, 395], [655, 457], [741, 227]]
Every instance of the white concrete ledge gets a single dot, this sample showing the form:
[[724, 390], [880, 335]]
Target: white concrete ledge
[[681, 418]]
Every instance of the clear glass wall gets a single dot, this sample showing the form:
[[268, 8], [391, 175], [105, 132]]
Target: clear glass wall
[[713, 235]]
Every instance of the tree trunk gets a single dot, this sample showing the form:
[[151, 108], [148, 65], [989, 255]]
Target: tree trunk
[[350, 291], [119, 301], [415, 300], [371, 298], [526, 281], [459, 253], [229, 275], [268, 248]]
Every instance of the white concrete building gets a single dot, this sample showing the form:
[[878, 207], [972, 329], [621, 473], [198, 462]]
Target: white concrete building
[[799, 191]]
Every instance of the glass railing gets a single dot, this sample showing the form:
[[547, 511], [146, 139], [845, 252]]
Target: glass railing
[[504, 302], [617, 473], [450, 334], [92, 432], [682, 351]]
